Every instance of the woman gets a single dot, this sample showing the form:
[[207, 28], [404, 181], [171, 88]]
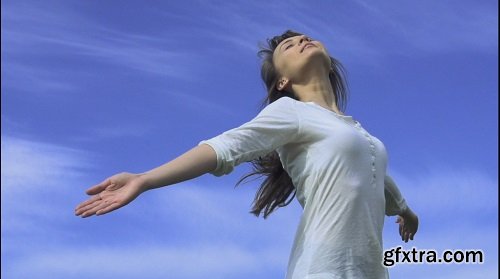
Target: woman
[[304, 144]]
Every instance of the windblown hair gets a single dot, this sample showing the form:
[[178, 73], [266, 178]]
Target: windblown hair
[[278, 186]]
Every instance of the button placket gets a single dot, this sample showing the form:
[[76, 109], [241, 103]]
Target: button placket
[[372, 147], [373, 156]]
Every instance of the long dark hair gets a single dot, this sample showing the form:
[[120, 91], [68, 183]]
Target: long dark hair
[[278, 186]]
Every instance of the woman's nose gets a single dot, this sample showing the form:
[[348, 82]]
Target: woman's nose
[[302, 38]]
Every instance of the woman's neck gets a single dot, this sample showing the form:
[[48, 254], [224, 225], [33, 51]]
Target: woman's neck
[[318, 90]]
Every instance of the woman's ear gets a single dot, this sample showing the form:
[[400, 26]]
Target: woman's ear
[[282, 83]]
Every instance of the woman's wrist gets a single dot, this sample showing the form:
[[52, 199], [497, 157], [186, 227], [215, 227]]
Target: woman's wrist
[[406, 211], [144, 181]]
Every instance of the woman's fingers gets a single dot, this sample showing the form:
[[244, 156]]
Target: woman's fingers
[[112, 193], [413, 231], [407, 227], [404, 233], [110, 207], [100, 205], [87, 202], [87, 207], [407, 234], [94, 204], [90, 209]]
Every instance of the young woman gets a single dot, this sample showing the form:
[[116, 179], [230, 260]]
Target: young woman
[[305, 145]]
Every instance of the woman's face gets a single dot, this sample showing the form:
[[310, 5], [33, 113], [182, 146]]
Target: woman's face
[[296, 54]]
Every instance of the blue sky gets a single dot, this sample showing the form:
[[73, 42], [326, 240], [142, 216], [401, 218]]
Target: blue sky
[[92, 88]]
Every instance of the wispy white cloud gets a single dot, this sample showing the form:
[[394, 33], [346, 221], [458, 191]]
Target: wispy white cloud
[[125, 51], [436, 27], [227, 207], [33, 29], [27, 164], [36, 80], [450, 191], [36, 33], [34, 175]]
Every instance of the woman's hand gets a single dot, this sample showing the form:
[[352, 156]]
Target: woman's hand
[[113, 193], [408, 225]]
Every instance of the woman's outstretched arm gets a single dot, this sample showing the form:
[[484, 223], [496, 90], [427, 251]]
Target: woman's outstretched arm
[[195, 162], [120, 189], [276, 125]]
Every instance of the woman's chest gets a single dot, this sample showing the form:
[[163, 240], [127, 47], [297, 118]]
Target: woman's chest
[[327, 141], [337, 135]]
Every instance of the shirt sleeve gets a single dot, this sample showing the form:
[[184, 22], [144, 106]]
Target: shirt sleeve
[[275, 125], [395, 204]]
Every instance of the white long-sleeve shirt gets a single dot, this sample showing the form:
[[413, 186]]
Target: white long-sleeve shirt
[[339, 172]]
